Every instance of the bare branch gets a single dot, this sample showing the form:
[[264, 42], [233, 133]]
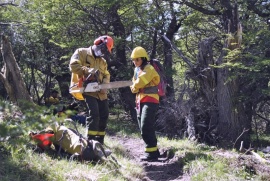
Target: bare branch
[[8, 4], [201, 9], [11, 23], [263, 117], [244, 130], [5, 24], [179, 52]]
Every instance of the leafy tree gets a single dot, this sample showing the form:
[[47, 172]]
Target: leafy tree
[[217, 50], [217, 72]]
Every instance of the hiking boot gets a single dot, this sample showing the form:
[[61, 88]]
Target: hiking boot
[[100, 139], [150, 156], [91, 137], [106, 153]]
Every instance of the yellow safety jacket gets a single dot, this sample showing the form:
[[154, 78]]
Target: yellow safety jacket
[[81, 61], [147, 77], [52, 101]]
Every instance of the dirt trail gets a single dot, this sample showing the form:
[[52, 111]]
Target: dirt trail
[[170, 169], [161, 170]]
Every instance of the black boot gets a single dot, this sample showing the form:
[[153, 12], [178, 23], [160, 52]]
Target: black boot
[[100, 139], [91, 137], [150, 156]]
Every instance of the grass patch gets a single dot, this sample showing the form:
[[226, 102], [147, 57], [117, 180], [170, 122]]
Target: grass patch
[[199, 162], [262, 140], [122, 125], [29, 165]]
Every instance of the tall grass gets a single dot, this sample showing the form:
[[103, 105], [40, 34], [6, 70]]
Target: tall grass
[[19, 162]]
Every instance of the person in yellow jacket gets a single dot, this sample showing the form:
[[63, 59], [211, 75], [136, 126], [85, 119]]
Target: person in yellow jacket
[[87, 61], [145, 81], [53, 99]]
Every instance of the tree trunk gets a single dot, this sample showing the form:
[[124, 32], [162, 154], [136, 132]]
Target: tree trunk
[[227, 114], [11, 76], [167, 49], [220, 92], [168, 68], [233, 120], [191, 126], [206, 76], [63, 82], [119, 31]]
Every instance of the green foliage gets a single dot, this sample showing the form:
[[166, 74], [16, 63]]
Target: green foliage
[[45, 33], [217, 170], [261, 139], [15, 125]]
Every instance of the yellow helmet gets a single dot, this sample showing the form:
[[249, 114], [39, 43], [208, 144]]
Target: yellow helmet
[[139, 52]]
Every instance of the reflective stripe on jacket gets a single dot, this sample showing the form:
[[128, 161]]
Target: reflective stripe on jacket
[[81, 61], [146, 78]]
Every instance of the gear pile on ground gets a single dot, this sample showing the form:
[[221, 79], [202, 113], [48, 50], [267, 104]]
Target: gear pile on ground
[[70, 141]]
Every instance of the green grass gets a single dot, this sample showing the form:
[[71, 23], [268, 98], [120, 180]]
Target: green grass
[[121, 124], [198, 161], [29, 165], [263, 140]]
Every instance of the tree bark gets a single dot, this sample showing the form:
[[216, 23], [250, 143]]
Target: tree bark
[[63, 82], [191, 126], [167, 50], [233, 119], [219, 91], [11, 76]]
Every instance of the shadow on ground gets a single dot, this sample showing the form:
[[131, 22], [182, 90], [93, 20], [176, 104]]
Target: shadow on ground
[[164, 171]]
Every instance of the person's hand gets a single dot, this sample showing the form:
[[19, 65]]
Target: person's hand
[[133, 90], [103, 91], [91, 70]]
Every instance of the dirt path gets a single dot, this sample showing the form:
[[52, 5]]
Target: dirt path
[[170, 169], [161, 170]]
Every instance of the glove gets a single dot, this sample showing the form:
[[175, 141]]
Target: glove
[[89, 71], [103, 91], [133, 89], [89, 75]]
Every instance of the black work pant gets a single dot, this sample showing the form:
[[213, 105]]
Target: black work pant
[[146, 121], [98, 116]]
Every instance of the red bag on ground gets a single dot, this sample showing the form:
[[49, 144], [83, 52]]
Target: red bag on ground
[[43, 139]]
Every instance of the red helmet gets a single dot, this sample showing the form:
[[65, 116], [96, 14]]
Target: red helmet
[[105, 39]]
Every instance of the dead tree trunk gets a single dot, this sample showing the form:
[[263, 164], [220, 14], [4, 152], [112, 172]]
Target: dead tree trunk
[[233, 119], [11, 77], [218, 92], [191, 126]]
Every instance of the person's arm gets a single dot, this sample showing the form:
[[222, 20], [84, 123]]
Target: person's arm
[[76, 66], [106, 77], [149, 74]]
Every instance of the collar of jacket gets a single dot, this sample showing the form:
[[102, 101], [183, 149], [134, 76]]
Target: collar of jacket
[[89, 51]]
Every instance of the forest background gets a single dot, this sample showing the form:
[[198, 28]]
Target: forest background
[[215, 54]]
